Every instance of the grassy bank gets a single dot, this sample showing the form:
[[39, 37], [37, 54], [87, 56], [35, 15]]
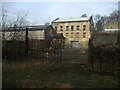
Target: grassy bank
[[44, 74]]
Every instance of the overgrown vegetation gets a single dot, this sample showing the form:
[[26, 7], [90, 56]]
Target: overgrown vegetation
[[105, 59], [45, 74], [13, 50]]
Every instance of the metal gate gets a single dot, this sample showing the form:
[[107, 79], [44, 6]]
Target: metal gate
[[75, 44], [49, 48], [41, 50]]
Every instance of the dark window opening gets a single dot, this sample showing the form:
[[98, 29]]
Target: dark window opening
[[72, 28], [67, 27], [67, 34], [61, 28], [84, 27], [78, 27], [56, 28]]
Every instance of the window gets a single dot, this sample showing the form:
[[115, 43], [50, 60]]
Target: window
[[111, 28], [61, 28], [77, 35], [66, 34], [55, 27], [84, 35], [72, 28], [78, 27], [84, 27], [72, 35], [67, 27]]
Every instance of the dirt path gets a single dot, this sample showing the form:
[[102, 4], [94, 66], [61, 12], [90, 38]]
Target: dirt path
[[74, 56]]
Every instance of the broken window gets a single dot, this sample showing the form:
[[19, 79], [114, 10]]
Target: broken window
[[67, 27], [61, 28], [72, 28], [66, 34], [78, 27], [84, 27], [55, 27]]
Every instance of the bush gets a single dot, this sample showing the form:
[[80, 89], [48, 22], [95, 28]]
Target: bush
[[105, 58], [13, 50]]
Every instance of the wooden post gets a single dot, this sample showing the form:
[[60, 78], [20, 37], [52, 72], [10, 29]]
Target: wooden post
[[118, 61], [91, 52], [26, 42], [118, 71]]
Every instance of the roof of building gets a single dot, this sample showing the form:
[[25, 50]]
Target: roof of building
[[38, 27], [72, 19]]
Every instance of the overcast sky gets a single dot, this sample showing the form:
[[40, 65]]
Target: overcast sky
[[41, 12]]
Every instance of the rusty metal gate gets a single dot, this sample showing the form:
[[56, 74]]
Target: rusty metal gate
[[36, 49], [44, 50]]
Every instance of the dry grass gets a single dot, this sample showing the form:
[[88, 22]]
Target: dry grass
[[46, 74]]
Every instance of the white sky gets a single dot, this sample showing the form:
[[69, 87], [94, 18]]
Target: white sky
[[60, 0], [41, 12]]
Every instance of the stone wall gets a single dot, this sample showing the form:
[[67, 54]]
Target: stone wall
[[104, 39], [21, 35], [112, 25], [74, 35]]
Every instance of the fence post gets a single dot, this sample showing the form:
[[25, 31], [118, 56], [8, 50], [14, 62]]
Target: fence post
[[118, 61], [91, 53], [26, 42]]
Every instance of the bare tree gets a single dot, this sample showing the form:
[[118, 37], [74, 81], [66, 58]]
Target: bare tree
[[115, 15], [84, 15], [15, 23], [4, 18], [20, 19], [97, 18], [101, 20]]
